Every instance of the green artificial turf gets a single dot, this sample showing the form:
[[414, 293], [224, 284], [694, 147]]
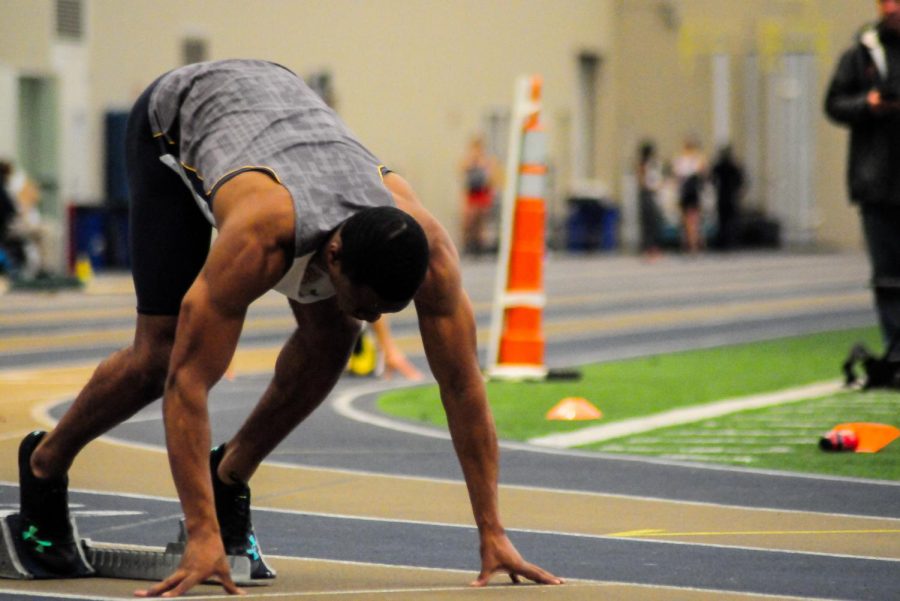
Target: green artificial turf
[[782, 437]]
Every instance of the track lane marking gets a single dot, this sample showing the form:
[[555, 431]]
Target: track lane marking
[[687, 415], [14, 316], [614, 321], [343, 404], [640, 536], [650, 532], [571, 584]]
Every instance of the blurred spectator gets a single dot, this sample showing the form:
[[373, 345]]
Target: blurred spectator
[[864, 95], [650, 179], [7, 206], [10, 250], [26, 227], [728, 179], [479, 172], [690, 167]]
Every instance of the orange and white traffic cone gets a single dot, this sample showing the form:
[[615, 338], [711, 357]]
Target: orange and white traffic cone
[[517, 340]]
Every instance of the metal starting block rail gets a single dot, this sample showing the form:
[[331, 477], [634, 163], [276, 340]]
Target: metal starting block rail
[[149, 563], [107, 560]]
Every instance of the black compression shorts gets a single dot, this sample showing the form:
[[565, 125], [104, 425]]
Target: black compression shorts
[[169, 236]]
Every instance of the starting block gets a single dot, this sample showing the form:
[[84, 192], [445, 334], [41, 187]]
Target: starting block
[[146, 563], [17, 563], [109, 560]]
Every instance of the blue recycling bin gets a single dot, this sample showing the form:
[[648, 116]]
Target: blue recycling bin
[[101, 234], [90, 235], [609, 228], [592, 225]]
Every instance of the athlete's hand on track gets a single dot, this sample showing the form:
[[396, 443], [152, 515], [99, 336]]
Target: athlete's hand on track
[[201, 561], [499, 555]]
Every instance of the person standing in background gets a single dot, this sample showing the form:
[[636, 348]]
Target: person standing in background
[[728, 178], [27, 226], [864, 95], [479, 173], [649, 176], [690, 168]]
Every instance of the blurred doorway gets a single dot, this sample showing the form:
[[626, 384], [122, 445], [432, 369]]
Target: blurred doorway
[[38, 136], [790, 147], [584, 155]]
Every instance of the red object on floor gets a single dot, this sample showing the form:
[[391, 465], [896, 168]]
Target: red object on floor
[[861, 437]]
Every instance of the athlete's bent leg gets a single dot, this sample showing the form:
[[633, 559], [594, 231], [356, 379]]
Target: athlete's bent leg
[[121, 385], [307, 369]]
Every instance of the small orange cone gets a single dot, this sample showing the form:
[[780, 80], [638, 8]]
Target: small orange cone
[[870, 437], [573, 408]]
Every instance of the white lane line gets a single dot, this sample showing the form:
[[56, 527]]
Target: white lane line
[[393, 592], [685, 415], [570, 583], [533, 488], [534, 531], [499, 589], [41, 413], [16, 593], [343, 405], [105, 513], [692, 451]]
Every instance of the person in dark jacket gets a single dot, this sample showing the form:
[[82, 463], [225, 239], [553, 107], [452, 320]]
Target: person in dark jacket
[[10, 247], [649, 176], [728, 178], [864, 95]]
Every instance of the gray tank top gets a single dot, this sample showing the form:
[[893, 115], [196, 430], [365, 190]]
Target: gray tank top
[[218, 119]]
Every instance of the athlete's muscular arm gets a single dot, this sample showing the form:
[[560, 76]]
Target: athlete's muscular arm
[[250, 254], [447, 325]]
